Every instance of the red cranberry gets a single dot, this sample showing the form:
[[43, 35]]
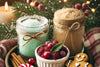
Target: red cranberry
[[40, 7], [31, 61], [56, 55], [84, 5], [47, 43], [77, 6], [41, 50], [47, 49], [63, 48], [62, 53], [46, 54], [50, 45], [36, 3], [87, 12], [55, 42]]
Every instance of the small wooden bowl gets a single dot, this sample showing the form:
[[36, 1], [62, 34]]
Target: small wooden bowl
[[8, 56]]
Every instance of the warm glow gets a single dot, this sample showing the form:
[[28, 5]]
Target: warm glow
[[27, 1], [6, 5], [93, 10], [65, 1], [32, 4], [87, 2]]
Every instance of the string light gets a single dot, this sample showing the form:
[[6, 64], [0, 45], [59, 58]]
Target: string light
[[65, 1], [93, 10], [87, 2], [32, 4]]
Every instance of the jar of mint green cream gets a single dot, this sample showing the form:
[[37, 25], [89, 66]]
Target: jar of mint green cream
[[32, 31]]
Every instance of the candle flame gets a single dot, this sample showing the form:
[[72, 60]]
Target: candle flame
[[87, 2], [6, 5], [93, 10], [65, 1]]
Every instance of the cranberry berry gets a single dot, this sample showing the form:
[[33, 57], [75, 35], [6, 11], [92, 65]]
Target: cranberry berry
[[84, 5], [31, 61], [55, 42], [46, 55], [77, 6], [87, 12], [56, 55], [62, 53], [46, 48], [41, 50], [36, 3], [50, 45], [47, 43], [40, 7]]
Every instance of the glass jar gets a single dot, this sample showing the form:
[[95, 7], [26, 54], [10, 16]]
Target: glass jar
[[69, 28], [32, 31]]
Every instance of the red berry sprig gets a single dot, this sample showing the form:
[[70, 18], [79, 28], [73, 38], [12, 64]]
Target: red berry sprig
[[87, 12], [84, 6], [40, 7], [77, 6], [36, 3]]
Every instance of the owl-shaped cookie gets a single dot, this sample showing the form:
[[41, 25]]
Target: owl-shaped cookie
[[80, 60]]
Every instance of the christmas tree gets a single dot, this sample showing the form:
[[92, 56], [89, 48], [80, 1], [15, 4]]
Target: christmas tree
[[93, 19]]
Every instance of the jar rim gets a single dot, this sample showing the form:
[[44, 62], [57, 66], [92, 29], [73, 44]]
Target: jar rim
[[43, 19]]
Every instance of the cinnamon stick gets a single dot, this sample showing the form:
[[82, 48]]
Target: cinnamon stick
[[14, 64], [21, 60], [16, 58]]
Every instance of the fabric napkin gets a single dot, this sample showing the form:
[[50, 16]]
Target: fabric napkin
[[92, 43]]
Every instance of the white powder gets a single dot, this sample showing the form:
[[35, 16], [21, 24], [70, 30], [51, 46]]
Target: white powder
[[31, 23]]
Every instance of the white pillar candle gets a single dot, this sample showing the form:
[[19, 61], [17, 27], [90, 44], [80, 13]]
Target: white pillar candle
[[6, 14]]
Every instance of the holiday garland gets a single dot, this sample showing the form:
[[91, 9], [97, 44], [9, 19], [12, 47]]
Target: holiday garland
[[48, 7]]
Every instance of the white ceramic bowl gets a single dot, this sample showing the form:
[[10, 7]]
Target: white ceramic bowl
[[41, 62]]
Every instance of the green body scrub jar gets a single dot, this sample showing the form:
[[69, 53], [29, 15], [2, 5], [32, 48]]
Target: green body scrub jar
[[32, 31]]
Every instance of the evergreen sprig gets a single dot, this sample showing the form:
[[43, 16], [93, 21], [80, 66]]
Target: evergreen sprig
[[50, 6]]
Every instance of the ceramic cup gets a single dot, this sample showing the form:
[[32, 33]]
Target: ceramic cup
[[41, 62]]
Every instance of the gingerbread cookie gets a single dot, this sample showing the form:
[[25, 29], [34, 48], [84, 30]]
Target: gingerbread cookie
[[80, 60], [81, 57]]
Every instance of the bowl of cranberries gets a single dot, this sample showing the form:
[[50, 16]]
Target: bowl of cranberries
[[51, 54]]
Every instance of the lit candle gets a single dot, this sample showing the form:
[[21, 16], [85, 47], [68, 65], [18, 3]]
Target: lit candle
[[6, 14]]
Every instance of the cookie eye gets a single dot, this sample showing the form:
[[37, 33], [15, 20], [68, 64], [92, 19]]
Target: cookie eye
[[78, 56], [83, 56]]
